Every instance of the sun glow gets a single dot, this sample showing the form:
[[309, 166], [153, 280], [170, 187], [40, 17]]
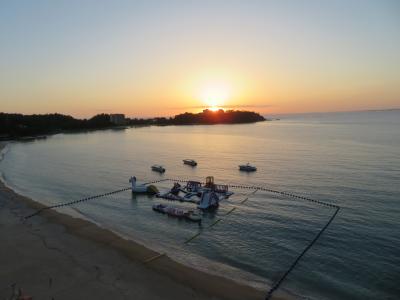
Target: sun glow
[[214, 108], [215, 95]]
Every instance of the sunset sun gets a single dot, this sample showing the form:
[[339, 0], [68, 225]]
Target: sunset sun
[[215, 95], [214, 108]]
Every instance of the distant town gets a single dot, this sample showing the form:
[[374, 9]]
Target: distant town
[[14, 126]]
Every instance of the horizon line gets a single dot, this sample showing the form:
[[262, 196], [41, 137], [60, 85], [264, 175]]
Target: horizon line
[[227, 108]]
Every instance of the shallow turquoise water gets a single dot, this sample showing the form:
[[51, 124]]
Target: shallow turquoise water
[[350, 159]]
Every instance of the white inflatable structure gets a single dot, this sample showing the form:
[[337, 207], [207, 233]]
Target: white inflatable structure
[[209, 199], [137, 188]]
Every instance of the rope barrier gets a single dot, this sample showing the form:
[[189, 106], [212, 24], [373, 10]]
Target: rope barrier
[[244, 200], [88, 198], [192, 238], [200, 232], [293, 265], [256, 188], [74, 202], [217, 221], [154, 258], [233, 208], [265, 190], [286, 194]]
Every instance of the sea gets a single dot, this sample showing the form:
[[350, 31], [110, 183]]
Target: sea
[[350, 159]]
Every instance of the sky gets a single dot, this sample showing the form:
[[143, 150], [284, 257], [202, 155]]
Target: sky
[[159, 58]]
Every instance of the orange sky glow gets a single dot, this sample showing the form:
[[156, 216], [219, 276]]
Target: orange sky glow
[[167, 58]]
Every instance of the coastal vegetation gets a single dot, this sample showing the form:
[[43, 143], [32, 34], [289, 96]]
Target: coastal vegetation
[[18, 125], [206, 117]]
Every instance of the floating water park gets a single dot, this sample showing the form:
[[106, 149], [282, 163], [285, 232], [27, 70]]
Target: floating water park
[[201, 198], [206, 197]]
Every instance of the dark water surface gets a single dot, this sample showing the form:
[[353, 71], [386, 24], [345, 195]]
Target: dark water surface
[[350, 159]]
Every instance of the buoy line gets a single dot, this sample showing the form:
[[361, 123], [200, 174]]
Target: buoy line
[[256, 188]]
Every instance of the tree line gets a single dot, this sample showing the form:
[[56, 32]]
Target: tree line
[[17, 125], [207, 117]]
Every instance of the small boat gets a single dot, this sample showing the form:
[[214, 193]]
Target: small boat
[[190, 162], [177, 212], [247, 167], [160, 208], [158, 168]]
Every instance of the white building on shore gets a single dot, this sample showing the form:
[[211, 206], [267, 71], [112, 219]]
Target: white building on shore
[[118, 119]]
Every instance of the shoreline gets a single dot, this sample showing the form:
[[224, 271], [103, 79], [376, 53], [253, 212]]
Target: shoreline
[[200, 283], [44, 135]]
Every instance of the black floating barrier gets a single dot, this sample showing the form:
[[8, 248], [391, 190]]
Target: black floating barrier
[[74, 202], [293, 265]]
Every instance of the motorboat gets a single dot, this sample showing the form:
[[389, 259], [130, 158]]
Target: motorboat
[[160, 208], [190, 162], [177, 212], [247, 167], [142, 188], [158, 168]]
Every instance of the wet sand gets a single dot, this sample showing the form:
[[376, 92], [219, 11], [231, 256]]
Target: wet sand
[[56, 256]]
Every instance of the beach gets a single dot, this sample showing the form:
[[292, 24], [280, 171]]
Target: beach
[[56, 256]]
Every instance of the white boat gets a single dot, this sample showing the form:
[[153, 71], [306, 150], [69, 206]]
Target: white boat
[[190, 162], [192, 215], [247, 167], [158, 168]]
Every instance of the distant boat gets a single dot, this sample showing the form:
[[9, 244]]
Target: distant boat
[[158, 168], [190, 162], [247, 167]]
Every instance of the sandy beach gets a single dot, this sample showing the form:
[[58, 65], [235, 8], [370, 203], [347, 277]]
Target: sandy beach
[[56, 256]]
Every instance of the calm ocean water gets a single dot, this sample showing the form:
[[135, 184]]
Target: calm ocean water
[[350, 159]]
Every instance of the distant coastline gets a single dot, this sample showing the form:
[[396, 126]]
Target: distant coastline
[[27, 127]]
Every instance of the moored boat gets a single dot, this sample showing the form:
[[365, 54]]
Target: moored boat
[[175, 211], [190, 162], [191, 215], [247, 167], [158, 168], [160, 208]]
